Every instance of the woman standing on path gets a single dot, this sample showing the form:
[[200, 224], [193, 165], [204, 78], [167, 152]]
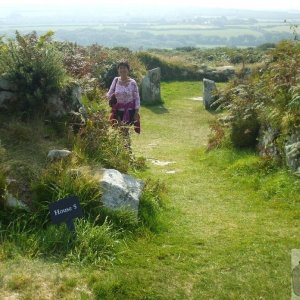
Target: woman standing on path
[[126, 110]]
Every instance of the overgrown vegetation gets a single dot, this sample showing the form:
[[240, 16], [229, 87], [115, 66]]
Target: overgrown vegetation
[[34, 66], [39, 67], [268, 97]]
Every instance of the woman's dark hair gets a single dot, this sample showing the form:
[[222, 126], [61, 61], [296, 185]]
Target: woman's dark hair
[[124, 64]]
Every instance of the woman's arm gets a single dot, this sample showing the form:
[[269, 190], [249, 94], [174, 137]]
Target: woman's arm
[[112, 88]]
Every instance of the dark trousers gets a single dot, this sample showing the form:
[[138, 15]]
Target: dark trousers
[[120, 115]]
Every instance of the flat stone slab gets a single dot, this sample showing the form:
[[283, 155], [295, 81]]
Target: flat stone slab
[[171, 172], [153, 145], [196, 98], [160, 163]]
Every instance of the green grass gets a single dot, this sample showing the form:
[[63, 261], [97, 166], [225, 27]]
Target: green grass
[[229, 225]]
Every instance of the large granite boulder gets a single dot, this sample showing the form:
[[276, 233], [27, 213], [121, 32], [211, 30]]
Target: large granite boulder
[[120, 191], [209, 93], [151, 86]]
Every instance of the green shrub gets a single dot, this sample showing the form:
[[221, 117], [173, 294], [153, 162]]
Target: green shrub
[[98, 142], [36, 68]]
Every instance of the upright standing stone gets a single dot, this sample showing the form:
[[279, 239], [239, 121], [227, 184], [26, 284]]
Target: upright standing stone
[[151, 86], [209, 96]]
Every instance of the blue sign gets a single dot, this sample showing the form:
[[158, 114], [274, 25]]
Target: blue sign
[[65, 210]]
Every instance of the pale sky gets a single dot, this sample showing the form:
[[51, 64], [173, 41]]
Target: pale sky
[[285, 5]]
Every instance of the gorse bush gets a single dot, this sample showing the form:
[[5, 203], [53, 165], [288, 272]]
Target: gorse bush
[[34, 65]]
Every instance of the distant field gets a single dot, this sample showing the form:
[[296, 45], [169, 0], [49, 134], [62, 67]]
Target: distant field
[[224, 32], [281, 28], [158, 28], [228, 31], [157, 35]]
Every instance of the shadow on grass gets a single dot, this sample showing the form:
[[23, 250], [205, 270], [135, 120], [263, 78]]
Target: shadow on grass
[[157, 107]]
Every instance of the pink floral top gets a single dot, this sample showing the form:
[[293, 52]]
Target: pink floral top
[[125, 92]]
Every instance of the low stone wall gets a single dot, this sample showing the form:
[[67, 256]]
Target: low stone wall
[[57, 105], [267, 147]]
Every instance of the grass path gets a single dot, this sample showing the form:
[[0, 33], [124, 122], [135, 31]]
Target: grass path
[[222, 239]]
